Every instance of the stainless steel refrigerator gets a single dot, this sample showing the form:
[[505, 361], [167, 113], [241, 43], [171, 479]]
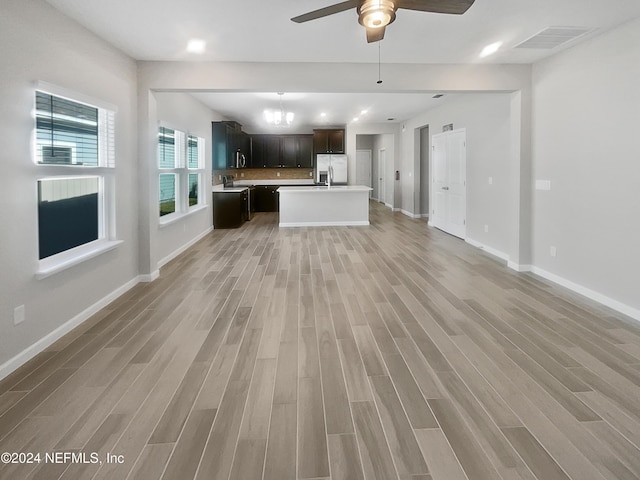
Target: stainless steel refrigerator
[[331, 169]]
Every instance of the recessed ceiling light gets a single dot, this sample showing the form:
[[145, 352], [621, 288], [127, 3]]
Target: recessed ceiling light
[[490, 49], [323, 114], [196, 46], [364, 112], [356, 119]]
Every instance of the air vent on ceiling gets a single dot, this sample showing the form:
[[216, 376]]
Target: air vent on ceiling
[[552, 37]]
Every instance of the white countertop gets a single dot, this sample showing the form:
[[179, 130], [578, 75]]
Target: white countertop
[[274, 181], [326, 189], [234, 189]]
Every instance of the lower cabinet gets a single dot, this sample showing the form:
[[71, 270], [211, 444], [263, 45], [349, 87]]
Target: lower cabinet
[[230, 209], [266, 198]]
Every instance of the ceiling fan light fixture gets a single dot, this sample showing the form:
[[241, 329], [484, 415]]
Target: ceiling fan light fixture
[[376, 13]]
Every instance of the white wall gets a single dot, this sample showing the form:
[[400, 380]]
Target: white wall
[[486, 118], [38, 43], [585, 140], [183, 112]]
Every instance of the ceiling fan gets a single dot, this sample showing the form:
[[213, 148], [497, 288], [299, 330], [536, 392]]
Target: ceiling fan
[[375, 15]]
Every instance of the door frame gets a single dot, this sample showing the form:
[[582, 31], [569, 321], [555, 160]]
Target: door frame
[[369, 155], [382, 184]]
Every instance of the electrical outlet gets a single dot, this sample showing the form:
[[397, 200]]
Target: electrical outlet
[[486, 228], [220, 177], [277, 174], [242, 174], [18, 315], [311, 174], [553, 251]]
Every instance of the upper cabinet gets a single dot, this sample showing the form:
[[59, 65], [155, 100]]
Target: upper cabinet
[[304, 156], [228, 139], [328, 141], [282, 151]]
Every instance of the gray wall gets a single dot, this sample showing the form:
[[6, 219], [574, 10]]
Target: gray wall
[[486, 119], [39, 44], [585, 141], [364, 142]]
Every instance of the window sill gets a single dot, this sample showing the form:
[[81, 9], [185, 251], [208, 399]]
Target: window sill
[[176, 217], [74, 257]]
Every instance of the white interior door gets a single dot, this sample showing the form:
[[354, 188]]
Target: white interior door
[[363, 168], [449, 182], [382, 169]]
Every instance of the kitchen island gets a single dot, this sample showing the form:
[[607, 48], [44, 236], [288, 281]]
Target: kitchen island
[[319, 206]]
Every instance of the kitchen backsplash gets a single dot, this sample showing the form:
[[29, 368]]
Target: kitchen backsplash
[[263, 174]]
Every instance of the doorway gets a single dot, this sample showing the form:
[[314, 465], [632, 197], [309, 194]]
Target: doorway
[[449, 182]]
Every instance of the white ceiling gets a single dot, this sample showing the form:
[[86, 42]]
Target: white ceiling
[[339, 108], [261, 31]]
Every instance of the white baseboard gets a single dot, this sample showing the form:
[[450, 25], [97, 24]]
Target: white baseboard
[[519, 268], [582, 290], [347, 223], [28, 353], [183, 248], [150, 277], [587, 292], [412, 215], [488, 249]]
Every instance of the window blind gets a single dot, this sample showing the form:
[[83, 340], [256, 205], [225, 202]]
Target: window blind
[[66, 131]]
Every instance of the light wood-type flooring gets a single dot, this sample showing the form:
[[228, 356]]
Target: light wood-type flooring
[[386, 352]]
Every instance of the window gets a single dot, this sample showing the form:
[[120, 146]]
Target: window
[[68, 213], [195, 164], [75, 154], [181, 165]]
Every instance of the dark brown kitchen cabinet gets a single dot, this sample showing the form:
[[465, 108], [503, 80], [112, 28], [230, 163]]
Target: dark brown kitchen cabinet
[[304, 157], [281, 151], [230, 209], [328, 141], [288, 151], [265, 151], [266, 198], [227, 139], [272, 151]]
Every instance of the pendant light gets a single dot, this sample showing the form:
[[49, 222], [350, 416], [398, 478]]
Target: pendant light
[[279, 118]]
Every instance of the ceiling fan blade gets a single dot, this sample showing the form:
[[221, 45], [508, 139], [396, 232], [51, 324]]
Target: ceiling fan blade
[[326, 11], [456, 7], [375, 34]]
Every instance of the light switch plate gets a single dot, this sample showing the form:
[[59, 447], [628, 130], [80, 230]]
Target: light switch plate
[[18, 315], [543, 184]]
